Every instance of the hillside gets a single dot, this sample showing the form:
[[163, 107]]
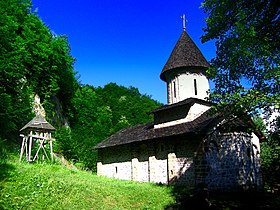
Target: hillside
[[52, 186]]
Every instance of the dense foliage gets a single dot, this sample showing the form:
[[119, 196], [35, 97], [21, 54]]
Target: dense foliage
[[246, 69], [96, 114], [32, 61], [35, 61], [270, 156]]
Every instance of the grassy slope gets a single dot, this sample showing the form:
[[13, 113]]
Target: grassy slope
[[50, 186]]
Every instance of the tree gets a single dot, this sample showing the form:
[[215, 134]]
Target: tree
[[270, 157], [246, 69], [15, 103], [128, 105], [32, 60], [96, 114]]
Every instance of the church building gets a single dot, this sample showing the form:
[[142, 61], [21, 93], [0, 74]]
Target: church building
[[185, 144]]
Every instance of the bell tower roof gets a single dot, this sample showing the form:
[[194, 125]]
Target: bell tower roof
[[184, 54]]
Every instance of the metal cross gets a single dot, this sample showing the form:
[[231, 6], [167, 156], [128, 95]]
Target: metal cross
[[183, 17]]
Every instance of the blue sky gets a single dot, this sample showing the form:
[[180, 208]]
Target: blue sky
[[124, 41]]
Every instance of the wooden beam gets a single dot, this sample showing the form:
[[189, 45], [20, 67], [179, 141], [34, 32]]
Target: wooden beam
[[30, 145], [23, 145], [51, 147], [27, 141], [41, 137]]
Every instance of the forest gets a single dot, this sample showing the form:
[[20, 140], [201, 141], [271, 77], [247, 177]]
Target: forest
[[34, 61]]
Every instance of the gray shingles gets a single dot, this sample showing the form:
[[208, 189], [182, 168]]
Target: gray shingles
[[199, 126], [148, 132], [38, 122], [184, 54]]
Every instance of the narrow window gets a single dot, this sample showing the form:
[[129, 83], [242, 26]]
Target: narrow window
[[116, 169], [174, 86], [195, 87]]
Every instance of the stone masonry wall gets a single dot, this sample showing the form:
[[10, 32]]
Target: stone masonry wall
[[181, 162], [224, 162], [230, 163], [116, 163], [160, 162]]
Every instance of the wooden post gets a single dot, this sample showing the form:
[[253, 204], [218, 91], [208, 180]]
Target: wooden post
[[43, 148], [23, 145], [42, 136], [51, 149], [26, 148], [30, 144], [41, 144]]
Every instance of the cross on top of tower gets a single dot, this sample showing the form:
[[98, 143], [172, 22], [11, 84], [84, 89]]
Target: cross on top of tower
[[183, 17]]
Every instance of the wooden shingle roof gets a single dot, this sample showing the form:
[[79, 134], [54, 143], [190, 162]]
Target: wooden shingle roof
[[39, 123], [199, 126], [148, 132], [184, 54]]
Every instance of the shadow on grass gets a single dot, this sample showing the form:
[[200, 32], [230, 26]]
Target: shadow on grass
[[5, 171], [202, 199], [245, 200], [190, 199]]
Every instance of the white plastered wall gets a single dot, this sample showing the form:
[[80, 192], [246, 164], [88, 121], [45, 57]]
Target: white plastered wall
[[195, 111], [187, 85], [120, 170]]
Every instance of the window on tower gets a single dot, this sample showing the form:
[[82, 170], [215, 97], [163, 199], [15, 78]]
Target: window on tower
[[195, 87], [174, 87]]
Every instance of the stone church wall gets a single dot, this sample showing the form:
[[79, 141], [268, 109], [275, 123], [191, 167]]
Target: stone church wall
[[181, 162], [160, 162], [116, 163], [230, 163], [140, 162], [224, 162]]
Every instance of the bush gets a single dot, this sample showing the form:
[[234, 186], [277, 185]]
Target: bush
[[3, 151]]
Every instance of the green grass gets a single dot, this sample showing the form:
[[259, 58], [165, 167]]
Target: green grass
[[52, 186]]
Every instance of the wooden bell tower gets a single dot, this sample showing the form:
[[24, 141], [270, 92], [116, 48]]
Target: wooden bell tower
[[36, 134]]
